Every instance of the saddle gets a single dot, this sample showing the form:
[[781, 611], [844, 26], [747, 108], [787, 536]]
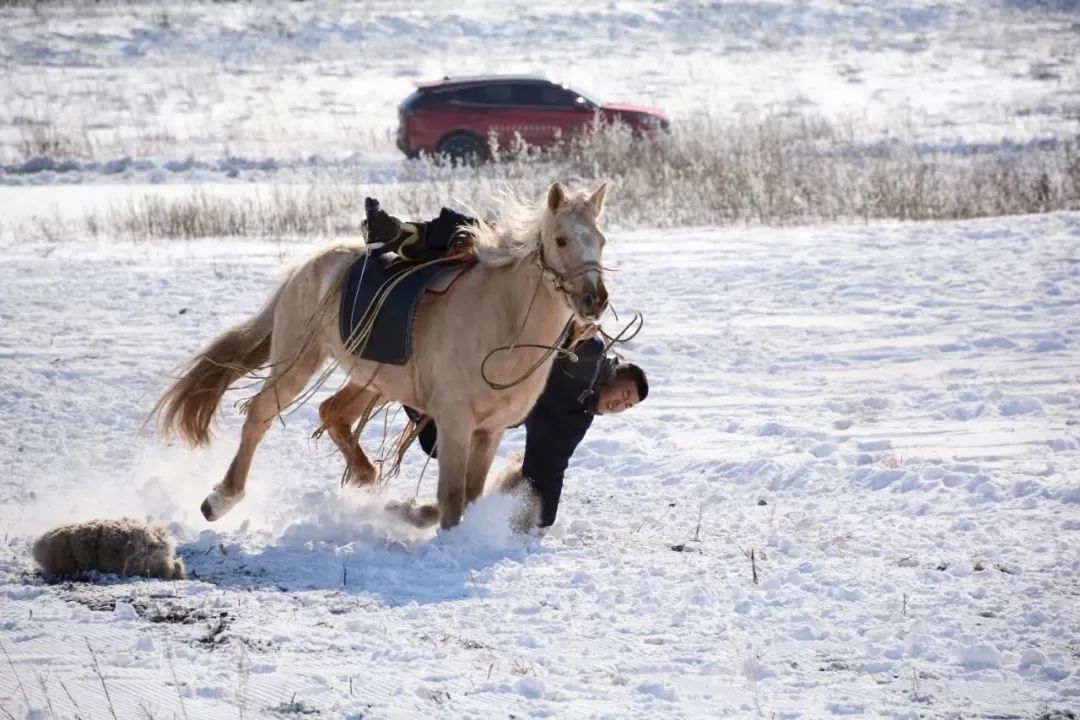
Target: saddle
[[383, 294]]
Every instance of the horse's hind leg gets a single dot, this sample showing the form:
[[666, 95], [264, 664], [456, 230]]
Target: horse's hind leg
[[338, 414], [291, 367]]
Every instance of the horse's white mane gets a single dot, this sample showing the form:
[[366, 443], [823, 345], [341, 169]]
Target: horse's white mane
[[513, 234]]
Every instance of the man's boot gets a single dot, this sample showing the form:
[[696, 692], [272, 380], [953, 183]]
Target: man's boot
[[385, 233]]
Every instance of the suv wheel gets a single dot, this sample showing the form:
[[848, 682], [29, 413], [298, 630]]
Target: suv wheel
[[462, 148]]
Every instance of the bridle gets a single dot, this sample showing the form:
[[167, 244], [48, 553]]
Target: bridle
[[558, 282], [558, 279]]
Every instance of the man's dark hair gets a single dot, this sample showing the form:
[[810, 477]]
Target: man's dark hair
[[638, 375]]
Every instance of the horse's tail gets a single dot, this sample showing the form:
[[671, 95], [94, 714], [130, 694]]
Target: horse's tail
[[189, 405]]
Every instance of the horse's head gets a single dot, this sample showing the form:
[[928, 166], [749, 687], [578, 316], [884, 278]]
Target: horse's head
[[572, 247]]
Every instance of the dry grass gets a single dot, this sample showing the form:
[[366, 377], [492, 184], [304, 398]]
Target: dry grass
[[782, 171], [315, 210], [772, 171], [44, 140]]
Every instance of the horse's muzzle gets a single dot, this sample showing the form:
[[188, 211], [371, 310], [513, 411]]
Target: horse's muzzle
[[593, 302]]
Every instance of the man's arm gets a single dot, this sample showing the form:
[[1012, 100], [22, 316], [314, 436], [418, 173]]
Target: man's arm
[[428, 435], [589, 352], [551, 437], [575, 379]]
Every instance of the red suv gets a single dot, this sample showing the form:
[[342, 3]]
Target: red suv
[[455, 116]]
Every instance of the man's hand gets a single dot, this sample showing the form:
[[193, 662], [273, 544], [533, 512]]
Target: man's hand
[[584, 330]]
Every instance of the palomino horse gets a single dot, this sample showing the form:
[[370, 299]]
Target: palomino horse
[[538, 269]]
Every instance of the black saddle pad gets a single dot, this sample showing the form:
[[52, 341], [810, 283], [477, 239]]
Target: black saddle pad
[[390, 340]]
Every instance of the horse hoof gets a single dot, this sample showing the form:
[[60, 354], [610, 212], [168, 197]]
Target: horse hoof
[[360, 478], [216, 504], [419, 516]]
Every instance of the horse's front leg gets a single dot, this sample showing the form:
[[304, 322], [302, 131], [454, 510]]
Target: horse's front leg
[[454, 445], [484, 445]]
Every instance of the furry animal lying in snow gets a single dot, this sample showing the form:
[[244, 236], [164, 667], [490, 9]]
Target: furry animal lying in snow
[[124, 546]]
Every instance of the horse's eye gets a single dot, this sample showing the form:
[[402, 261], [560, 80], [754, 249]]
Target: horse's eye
[[560, 241]]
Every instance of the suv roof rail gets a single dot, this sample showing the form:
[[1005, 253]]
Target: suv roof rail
[[449, 80]]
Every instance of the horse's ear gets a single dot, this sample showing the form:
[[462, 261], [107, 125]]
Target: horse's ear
[[596, 201], [556, 197]]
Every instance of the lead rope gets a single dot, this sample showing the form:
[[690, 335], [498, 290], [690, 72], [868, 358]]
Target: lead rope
[[611, 341], [421, 478], [558, 281], [551, 349]]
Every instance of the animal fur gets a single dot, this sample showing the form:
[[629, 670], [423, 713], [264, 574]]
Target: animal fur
[[125, 546]]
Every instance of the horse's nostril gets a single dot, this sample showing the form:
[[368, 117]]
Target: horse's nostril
[[589, 299]]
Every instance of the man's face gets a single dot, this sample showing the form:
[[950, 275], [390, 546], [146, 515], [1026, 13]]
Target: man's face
[[617, 395]]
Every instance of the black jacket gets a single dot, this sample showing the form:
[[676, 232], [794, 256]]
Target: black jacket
[[557, 423], [559, 420]]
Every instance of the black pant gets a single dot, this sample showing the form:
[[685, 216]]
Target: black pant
[[428, 434], [437, 237]]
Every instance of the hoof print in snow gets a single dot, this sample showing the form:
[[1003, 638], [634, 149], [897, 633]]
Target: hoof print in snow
[[215, 631], [295, 707]]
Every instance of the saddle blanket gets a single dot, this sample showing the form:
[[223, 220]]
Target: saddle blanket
[[390, 340]]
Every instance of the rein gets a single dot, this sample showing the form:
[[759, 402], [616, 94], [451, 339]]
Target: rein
[[551, 349], [558, 282], [612, 340]]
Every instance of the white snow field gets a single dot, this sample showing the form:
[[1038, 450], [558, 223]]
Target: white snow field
[[886, 416], [165, 92], [881, 422]]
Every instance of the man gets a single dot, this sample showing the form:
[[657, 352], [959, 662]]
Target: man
[[579, 387], [413, 242]]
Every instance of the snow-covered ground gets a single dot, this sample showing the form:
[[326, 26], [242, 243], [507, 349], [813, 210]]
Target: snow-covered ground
[[887, 416], [166, 92]]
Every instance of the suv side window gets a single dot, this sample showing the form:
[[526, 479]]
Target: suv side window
[[499, 94], [542, 95], [447, 97], [480, 95], [535, 95], [523, 94], [557, 97]]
